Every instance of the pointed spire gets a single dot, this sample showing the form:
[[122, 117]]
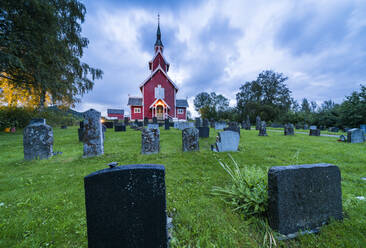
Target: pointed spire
[[158, 34]]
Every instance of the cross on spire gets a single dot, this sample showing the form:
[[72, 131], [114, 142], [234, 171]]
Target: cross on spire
[[158, 34]]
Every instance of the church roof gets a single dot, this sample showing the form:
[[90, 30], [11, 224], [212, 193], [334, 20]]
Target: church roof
[[158, 37], [135, 101], [154, 72], [115, 111], [182, 103]]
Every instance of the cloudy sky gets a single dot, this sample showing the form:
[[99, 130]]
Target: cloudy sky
[[219, 45]]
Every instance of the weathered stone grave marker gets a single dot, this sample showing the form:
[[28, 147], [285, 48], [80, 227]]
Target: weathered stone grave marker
[[262, 129], [302, 197], [355, 135], [119, 127], [150, 141], [257, 123], [93, 135], [233, 126], [190, 139], [38, 140], [197, 122], [314, 131], [126, 207], [289, 129], [166, 124], [227, 141], [146, 121], [220, 125]]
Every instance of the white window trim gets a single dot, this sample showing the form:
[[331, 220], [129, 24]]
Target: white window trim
[[180, 111], [137, 110]]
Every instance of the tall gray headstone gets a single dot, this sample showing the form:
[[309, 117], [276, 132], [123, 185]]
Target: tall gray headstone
[[355, 135], [289, 129], [302, 197], [257, 123], [198, 122], [262, 129], [220, 125], [126, 207], [227, 141], [37, 140], [150, 141], [190, 139], [93, 136]]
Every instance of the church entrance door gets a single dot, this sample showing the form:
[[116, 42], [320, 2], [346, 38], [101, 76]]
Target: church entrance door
[[160, 112]]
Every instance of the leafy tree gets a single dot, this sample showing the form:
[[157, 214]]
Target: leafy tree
[[41, 46], [305, 106], [211, 106], [267, 96], [353, 109]]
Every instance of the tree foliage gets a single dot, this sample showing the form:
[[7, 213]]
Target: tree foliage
[[41, 47], [211, 106], [267, 96]]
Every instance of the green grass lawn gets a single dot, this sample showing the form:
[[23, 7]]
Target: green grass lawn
[[42, 202]]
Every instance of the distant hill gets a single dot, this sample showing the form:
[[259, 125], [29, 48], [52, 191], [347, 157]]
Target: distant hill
[[69, 111]]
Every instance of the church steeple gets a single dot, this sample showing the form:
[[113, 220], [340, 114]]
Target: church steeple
[[158, 43]]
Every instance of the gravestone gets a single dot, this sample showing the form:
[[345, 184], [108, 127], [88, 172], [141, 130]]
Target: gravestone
[[38, 140], [355, 135], [246, 123], [363, 127], [150, 141], [227, 141], [93, 135], [333, 129], [126, 207], [190, 140], [314, 132], [257, 123], [233, 127], [289, 129], [204, 132], [166, 124], [63, 127], [220, 125], [152, 126], [302, 197], [119, 127], [298, 126], [262, 129], [108, 124], [306, 126], [212, 123], [126, 121], [198, 122], [80, 134], [205, 123], [155, 120], [146, 121]]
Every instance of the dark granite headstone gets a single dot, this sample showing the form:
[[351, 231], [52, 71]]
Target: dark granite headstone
[[246, 124], [205, 123], [262, 129], [166, 124], [333, 129], [355, 135], [306, 126], [212, 123], [257, 123], [302, 197], [38, 140], [204, 132], [93, 135], [155, 120], [126, 207], [289, 129], [140, 124], [63, 127], [197, 123], [81, 124], [150, 141], [80, 134], [108, 124], [146, 121], [119, 127], [314, 132], [190, 139], [126, 121]]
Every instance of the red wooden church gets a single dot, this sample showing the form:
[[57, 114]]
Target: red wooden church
[[158, 91]]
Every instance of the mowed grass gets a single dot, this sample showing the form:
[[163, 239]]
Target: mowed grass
[[42, 202]]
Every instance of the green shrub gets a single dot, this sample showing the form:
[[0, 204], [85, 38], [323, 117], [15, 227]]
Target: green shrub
[[20, 117], [247, 192]]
